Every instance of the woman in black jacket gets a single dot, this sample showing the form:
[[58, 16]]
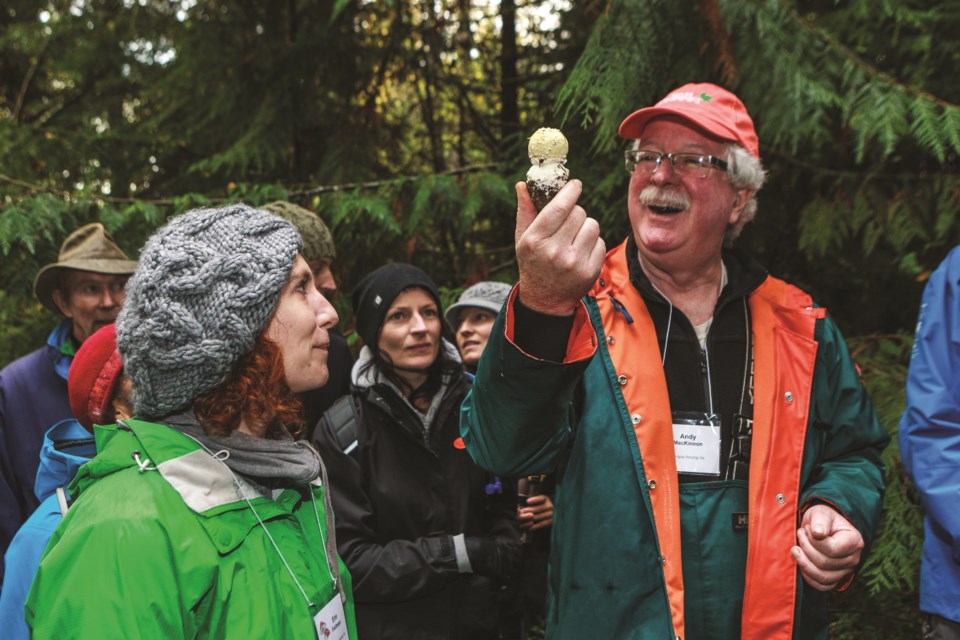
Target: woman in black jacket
[[428, 536]]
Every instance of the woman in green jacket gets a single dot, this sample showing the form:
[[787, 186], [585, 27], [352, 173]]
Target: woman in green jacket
[[203, 517]]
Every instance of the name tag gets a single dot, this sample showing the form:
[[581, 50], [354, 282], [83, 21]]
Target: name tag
[[696, 441], [331, 622]]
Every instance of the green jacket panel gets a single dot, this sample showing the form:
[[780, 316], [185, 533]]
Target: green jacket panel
[[604, 549], [844, 439]]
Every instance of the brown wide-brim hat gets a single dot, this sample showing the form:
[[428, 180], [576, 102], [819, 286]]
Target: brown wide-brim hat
[[89, 248]]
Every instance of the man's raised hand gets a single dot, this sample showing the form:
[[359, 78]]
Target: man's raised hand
[[559, 251]]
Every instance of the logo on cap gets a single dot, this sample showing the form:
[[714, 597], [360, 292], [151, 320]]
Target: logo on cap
[[686, 96], [681, 96]]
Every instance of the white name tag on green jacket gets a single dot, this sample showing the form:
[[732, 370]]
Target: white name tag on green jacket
[[696, 441], [331, 622]]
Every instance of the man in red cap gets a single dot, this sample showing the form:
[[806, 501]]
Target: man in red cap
[[85, 288], [717, 457], [99, 394]]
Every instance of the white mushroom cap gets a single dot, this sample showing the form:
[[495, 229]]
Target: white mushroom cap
[[547, 143]]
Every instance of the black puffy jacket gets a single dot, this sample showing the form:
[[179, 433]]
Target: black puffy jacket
[[397, 499]]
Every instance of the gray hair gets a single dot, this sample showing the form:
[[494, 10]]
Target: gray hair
[[744, 171]]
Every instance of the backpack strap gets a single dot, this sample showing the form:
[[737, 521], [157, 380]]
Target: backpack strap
[[63, 500], [342, 417]]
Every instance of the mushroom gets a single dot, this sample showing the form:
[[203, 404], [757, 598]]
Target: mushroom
[[548, 152]]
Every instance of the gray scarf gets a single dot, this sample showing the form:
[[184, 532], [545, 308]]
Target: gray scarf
[[264, 461]]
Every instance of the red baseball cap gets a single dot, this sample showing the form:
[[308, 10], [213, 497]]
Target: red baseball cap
[[704, 105], [94, 373]]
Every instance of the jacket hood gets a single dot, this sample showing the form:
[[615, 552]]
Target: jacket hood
[[366, 379], [201, 480], [107, 460], [66, 446]]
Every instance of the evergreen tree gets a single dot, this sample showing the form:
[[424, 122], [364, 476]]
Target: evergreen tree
[[404, 125]]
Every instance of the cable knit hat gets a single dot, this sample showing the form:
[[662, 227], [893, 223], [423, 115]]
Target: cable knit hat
[[317, 239], [375, 293], [486, 295], [206, 287], [94, 374]]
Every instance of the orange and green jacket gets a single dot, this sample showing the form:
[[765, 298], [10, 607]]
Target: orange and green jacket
[[616, 566]]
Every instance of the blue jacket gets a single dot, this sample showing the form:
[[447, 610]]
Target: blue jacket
[[930, 437], [33, 396], [58, 466]]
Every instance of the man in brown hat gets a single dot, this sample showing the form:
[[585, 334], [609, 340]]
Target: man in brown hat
[[85, 287]]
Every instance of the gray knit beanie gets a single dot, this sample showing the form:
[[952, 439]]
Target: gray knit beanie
[[207, 284]]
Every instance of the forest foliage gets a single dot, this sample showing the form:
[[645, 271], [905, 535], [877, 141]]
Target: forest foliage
[[403, 123]]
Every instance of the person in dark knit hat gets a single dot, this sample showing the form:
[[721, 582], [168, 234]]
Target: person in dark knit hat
[[318, 248], [99, 393], [84, 288], [204, 509], [471, 319], [319, 252], [428, 536]]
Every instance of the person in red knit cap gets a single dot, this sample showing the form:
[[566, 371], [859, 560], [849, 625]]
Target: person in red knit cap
[[99, 394]]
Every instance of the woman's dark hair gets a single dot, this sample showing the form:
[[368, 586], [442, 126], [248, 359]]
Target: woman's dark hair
[[256, 390]]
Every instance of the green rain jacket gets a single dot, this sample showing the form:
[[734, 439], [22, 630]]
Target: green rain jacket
[[160, 544], [602, 422]]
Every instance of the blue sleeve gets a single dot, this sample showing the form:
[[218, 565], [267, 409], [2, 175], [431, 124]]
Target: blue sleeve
[[22, 560], [930, 426], [10, 514]]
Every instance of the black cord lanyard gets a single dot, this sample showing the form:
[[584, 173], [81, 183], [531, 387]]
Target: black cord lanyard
[[738, 462]]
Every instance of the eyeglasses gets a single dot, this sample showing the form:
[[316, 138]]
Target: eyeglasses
[[685, 164]]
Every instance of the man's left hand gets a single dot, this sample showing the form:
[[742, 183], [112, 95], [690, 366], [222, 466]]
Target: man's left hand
[[828, 548]]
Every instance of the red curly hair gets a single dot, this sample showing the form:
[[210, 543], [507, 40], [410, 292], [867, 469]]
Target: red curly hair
[[256, 391]]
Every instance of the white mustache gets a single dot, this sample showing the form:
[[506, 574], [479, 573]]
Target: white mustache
[[654, 196]]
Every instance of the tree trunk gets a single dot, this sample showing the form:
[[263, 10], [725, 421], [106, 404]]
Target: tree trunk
[[509, 108]]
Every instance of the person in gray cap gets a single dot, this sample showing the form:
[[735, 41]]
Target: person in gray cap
[[203, 508], [319, 252], [471, 319], [85, 288], [472, 316]]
